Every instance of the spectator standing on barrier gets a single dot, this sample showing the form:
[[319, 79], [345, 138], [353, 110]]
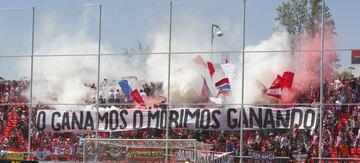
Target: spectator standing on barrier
[[343, 99], [102, 100], [117, 96], [147, 89], [337, 83], [143, 94], [152, 89], [111, 97]]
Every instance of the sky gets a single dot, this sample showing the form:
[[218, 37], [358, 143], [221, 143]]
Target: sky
[[127, 23]]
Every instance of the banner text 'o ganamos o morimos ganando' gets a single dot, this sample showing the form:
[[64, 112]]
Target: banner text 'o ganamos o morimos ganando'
[[115, 119]]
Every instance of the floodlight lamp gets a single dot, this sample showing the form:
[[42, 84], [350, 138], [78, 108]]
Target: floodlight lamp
[[219, 33]]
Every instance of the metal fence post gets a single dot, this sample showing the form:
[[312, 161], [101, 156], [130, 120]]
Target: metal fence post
[[98, 81], [195, 152], [321, 78], [84, 150], [242, 85], [168, 94], [31, 80]]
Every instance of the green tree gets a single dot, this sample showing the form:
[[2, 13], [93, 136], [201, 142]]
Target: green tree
[[314, 25], [293, 15], [303, 16]]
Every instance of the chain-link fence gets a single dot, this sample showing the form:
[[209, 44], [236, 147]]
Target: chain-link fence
[[63, 58]]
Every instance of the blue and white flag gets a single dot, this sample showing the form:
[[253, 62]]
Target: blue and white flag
[[126, 89]]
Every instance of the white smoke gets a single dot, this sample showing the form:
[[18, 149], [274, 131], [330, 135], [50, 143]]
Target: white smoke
[[186, 76], [262, 67], [62, 79]]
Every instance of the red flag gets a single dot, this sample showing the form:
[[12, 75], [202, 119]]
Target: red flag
[[277, 83], [275, 88], [135, 95], [211, 69], [199, 60], [223, 84], [288, 78]]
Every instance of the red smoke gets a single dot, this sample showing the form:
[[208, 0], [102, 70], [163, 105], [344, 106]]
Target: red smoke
[[307, 65]]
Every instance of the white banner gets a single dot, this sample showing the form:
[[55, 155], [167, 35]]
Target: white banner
[[115, 119], [183, 155]]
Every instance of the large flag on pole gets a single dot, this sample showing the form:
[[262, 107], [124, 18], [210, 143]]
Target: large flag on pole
[[126, 89], [211, 69], [275, 88], [288, 78], [280, 82], [223, 84]]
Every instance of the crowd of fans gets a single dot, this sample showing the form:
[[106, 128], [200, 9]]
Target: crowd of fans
[[340, 136]]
